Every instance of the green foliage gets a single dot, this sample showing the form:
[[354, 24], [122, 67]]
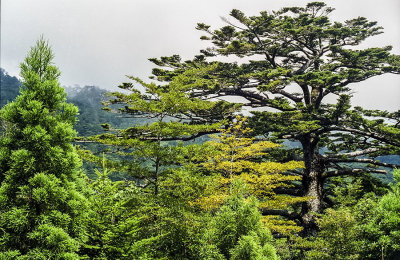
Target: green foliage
[[112, 228], [388, 219], [365, 229], [176, 226], [238, 232], [171, 116], [249, 247], [42, 202], [339, 236], [168, 225], [203, 201]]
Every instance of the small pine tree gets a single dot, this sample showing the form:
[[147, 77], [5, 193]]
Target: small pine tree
[[42, 207], [237, 229], [112, 227]]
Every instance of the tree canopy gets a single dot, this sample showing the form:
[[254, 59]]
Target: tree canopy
[[288, 62]]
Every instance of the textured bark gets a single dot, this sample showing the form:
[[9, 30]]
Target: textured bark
[[312, 183], [156, 173]]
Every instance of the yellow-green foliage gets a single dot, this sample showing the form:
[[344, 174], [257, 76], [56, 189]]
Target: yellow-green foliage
[[237, 157]]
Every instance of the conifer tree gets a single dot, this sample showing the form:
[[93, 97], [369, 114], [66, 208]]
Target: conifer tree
[[112, 226], [42, 206], [289, 62], [237, 230], [169, 116]]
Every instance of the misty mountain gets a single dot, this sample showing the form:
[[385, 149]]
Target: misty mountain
[[87, 98], [91, 116], [9, 87]]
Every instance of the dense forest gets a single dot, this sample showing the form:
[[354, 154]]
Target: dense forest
[[180, 171]]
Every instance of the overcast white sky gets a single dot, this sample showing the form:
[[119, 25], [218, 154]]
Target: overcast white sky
[[97, 42]]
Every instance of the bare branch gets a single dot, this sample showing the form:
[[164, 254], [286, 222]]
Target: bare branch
[[255, 99], [283, 213], [352, 154], [288, 95], [365, 160], [78, 140], [376, 136], [178, 138], [289, 191], [344, 172]]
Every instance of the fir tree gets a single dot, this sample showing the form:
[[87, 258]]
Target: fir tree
[[42, 206]]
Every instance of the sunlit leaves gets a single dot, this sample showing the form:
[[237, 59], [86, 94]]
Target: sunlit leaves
[[237, 158]]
